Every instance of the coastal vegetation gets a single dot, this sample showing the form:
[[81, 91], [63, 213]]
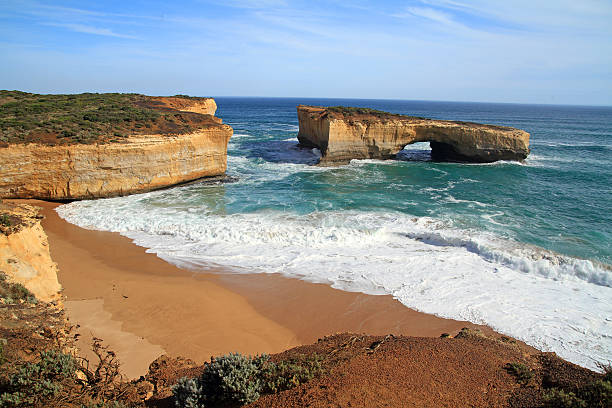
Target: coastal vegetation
[[88, 117], [350, 111], [235, 379], [522, 373], [38, 369], [5, 220], [14, 292]]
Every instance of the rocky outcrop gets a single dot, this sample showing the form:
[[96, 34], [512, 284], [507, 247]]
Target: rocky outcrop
[[343, 134], [135, 164], [24, 252], [205, 106]]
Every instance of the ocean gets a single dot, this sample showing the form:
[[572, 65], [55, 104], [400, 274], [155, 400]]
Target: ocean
[[525, 248]]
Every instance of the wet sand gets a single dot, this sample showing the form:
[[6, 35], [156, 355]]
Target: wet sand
[[143, 306]]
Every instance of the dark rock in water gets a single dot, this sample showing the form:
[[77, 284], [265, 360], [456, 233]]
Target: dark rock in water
[[224, 179]]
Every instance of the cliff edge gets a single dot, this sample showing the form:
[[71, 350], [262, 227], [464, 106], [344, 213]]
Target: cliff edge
[[65, 147], [24, 252], [344, 133]]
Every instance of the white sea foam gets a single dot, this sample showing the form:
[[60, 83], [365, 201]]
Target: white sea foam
[[551, 301]]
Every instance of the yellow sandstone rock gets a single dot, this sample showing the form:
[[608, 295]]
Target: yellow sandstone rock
[[25, 257], [137, 164], [354, 134]]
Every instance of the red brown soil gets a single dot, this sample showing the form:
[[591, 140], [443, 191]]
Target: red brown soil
[[466, 371], [386, 371]]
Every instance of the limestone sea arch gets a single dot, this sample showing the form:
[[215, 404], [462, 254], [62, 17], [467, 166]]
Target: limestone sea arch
[[343, 134]]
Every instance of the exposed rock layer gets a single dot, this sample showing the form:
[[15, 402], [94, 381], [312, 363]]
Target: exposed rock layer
[[137, 164], [24, 254], [342, 136], [205, 106]]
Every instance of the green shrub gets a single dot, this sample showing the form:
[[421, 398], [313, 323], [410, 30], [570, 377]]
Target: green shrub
[[522, 373], [188, 393], [231, 379], [237, 380], [5, 220], [290, 373], [13, 292], [35, 383], [556, 398], [598, 394]]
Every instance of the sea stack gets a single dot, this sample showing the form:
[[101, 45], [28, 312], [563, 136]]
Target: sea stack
[[116, 144], [343, 134]]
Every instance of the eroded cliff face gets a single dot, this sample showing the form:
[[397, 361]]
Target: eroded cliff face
[[135, 164], [24, 253], [142, 163], [342, 136]]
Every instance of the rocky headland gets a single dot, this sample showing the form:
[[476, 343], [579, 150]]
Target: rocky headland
[[65, 147], [343, 134]]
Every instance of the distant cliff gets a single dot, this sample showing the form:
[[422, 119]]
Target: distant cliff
[[343, 134], [143, 144]]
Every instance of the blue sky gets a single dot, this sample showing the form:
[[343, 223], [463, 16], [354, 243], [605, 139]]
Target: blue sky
[[533, 51]]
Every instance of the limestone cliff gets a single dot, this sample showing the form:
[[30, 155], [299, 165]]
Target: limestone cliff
[[137, 163], [24, 252], [205, 106], [343, 134]]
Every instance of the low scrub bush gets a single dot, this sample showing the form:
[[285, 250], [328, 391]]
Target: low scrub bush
[[34, 383], [14, 292], [556, 398], [522, 373], [5, 220], [290, 373], [235, 379], [84, 118], [596, 394]]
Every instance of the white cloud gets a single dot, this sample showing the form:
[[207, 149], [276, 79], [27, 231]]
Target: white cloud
[[86, 29], [428, 13]]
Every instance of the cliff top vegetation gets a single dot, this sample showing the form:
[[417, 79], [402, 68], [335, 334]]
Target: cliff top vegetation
[[90, 117], [350, 111]]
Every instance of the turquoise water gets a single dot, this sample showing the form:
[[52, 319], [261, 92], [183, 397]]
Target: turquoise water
[[523, 247], [561, 200]]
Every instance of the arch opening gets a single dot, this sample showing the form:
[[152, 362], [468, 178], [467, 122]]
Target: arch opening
[[418, 151]]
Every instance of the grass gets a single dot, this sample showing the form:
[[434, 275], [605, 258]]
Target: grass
[[86, 118]]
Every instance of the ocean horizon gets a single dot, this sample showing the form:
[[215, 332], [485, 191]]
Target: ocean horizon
[[402, 100], [523, 247]]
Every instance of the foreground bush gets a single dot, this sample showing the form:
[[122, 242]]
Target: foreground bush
[[235, 379], [596, 394], [40, 381], [14, 292], [522, 373], [289, 373]]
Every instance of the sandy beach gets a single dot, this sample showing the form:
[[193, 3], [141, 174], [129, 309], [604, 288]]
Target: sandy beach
[[142, 306]]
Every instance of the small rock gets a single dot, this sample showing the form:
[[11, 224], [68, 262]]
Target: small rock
[[80, 375]]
